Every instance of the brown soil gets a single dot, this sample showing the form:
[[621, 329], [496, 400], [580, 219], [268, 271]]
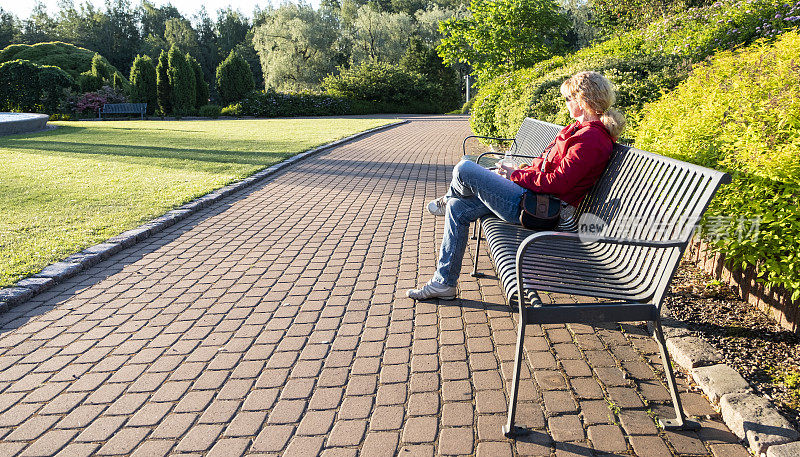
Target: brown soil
[[749, 341]]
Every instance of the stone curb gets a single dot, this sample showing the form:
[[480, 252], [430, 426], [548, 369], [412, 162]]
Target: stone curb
[[751, 417], [55, 273]]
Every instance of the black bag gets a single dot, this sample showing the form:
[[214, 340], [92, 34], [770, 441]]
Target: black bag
[[539, 211]]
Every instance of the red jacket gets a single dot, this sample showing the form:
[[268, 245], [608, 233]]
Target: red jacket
[[571, 164]]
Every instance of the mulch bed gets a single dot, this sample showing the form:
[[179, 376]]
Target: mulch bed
[[751, 342]]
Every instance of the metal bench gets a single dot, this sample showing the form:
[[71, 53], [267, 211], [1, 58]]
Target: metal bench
[[645, 208], [531, 139], [123, 108]]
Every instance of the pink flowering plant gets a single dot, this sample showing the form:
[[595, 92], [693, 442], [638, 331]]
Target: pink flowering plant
[[91, 102]]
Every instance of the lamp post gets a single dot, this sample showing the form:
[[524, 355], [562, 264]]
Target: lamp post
[[466, 78]]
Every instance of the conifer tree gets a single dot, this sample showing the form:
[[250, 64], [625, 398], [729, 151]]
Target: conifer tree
[[164, 91], [234, 78], [143, 83], [200, 84], [181, 80]]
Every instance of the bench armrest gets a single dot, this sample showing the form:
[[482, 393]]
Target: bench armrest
[[464, 144], [497, 153]]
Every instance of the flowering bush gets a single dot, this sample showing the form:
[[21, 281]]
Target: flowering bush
[[699, 32], [91, 102]]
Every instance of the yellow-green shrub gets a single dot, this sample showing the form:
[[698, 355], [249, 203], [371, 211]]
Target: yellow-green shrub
[[642, 63], [741, 113]]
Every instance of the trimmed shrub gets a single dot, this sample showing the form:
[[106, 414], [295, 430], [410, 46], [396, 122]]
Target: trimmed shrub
[[234, 109], [72, 59], [99, 68], [87, 82], [234, 78], [181, 81], [741, 113], [163, 88], [143, 83], [276, 104], [212, 111], [26, 86]]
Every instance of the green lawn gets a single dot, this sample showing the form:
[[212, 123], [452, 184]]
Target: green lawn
[[64, 190]]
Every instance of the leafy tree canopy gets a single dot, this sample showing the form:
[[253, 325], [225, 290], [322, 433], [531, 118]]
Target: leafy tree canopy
[[295, 44], [503, 35]]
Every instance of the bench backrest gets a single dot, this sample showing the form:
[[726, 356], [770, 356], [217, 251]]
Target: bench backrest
[[124, 108], [643, 196], [533, 137]]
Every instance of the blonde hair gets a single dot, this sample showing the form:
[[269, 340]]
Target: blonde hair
[[595, 94]]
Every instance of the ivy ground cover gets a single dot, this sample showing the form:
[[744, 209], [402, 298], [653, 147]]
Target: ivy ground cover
[[66, 189]]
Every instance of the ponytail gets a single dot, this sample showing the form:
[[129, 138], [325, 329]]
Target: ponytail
[[614, 122]]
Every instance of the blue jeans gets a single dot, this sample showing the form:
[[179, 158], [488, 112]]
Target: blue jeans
[[474, 192]]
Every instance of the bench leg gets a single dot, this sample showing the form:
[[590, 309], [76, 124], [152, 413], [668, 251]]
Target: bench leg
[[680, 422], [477, 238], [510, 430]]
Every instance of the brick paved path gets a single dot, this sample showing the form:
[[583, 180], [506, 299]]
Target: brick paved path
[[275, 323]]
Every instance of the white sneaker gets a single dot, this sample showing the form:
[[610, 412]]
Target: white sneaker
[[432, 290], [438, 207]]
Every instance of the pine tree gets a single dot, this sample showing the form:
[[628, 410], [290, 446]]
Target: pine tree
[[181, 79], [164, 90], [143, 83]]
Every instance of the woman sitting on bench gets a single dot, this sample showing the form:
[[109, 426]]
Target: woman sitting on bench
[[569, 167]]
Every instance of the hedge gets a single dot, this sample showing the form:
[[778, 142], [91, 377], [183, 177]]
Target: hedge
[[72, 59], [26, 86], [741, 113], [642, 63]]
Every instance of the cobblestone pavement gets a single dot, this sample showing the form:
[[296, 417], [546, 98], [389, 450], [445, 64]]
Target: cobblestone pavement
[[276, 323]]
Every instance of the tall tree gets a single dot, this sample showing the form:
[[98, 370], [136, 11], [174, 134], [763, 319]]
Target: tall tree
[[154, 18], [162, 84], [232, 29], [9, 28], [200, 84], [39, 27], [120, 34], [143, 83], [179, 32], [295, 46], [208, 54], [504, 35], [181, 80], [380, 36]]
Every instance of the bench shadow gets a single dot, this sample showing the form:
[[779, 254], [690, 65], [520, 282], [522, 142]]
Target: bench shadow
[[474, 304]]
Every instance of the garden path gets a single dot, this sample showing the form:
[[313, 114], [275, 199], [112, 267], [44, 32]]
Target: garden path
[[275, 322]]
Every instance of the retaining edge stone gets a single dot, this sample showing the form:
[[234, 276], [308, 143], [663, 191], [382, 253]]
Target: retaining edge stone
[[753, 418], [735, 414], [718, 380]]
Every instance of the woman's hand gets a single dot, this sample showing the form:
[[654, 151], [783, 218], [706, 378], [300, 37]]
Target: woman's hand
[[505, 169]]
